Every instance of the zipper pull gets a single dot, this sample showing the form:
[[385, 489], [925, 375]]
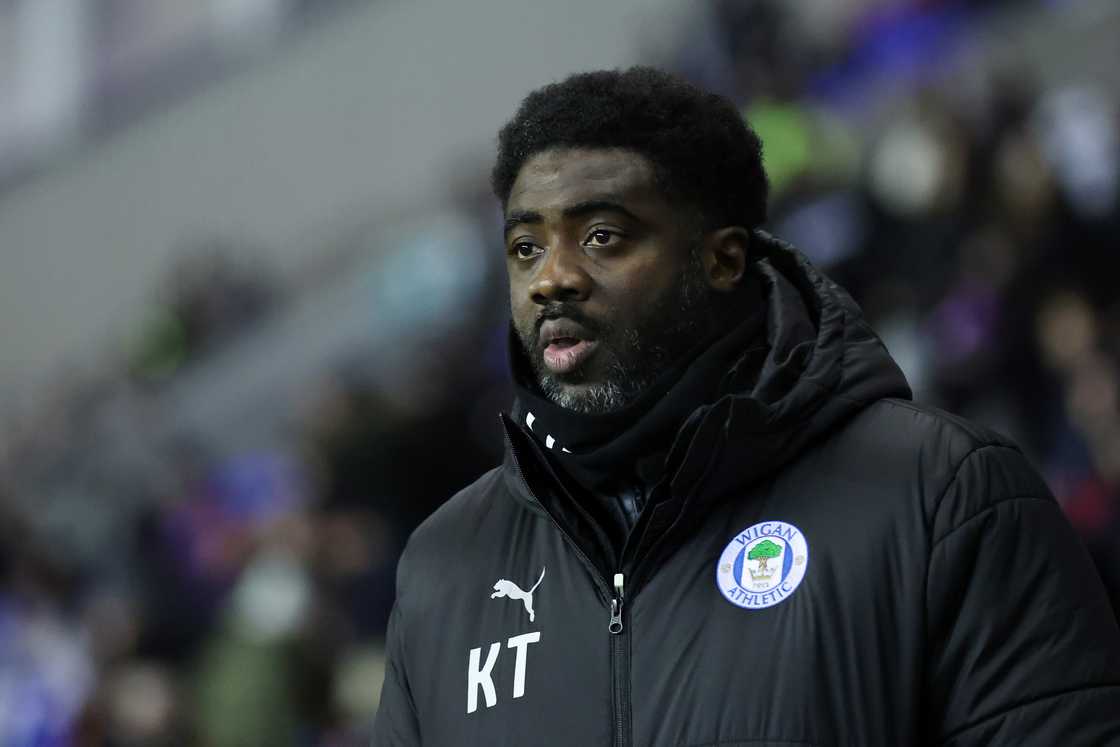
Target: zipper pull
[[616, 606]]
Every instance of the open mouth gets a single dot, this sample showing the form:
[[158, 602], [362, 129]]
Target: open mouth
[[567, 344], [565, 354]]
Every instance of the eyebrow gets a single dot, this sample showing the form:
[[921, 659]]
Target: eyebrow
[[572, 211]]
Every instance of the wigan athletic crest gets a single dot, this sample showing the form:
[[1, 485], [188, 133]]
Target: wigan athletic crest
[[763, 565]]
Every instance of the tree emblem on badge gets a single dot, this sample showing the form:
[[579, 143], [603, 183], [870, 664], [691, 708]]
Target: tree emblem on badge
[[763, 551]]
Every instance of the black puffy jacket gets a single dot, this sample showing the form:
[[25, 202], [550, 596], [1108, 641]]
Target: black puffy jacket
[[829, 565]]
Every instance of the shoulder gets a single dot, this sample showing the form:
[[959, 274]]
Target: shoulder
[[452, 528], [903, 427], [957, 468], [462, 512], [458, 518]]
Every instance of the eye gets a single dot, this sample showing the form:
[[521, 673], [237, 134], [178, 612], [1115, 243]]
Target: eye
[[525, 250], [601, 237]]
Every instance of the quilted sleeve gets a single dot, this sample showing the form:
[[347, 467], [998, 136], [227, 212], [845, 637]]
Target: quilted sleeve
[[396, 724], [1023, 647]]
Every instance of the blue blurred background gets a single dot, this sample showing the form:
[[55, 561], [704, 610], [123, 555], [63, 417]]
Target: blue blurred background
[[252, 301]]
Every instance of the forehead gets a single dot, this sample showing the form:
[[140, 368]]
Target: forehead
[[557, 178]]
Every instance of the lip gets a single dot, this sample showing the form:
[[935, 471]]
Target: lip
[[567, 344], [564, 359]]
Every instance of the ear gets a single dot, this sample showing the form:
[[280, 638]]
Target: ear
[[724, 255]]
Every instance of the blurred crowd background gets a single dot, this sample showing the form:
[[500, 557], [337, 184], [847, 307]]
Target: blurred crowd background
[[209, 467]]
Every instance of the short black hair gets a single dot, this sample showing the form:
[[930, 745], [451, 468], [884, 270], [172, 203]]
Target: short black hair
[[701, 148]]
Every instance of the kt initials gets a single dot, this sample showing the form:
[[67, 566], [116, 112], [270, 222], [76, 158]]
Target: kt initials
[[480, 677]]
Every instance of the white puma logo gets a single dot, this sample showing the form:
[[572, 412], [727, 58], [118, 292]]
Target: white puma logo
[[509, 589]]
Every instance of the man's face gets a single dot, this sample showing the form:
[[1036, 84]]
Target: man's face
[[606, 285]]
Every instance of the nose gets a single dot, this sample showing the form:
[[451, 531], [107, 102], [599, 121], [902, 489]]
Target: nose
[[560, 277]]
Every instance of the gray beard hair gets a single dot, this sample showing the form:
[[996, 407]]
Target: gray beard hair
[[621, 387], [625, 381], [594, 400]]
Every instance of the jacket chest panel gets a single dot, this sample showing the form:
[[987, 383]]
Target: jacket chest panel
[[830, 662], [523, 644]]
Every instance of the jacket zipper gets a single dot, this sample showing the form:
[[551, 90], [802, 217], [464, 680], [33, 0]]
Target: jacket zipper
[[615, 626], [620, 652], [620, 666]]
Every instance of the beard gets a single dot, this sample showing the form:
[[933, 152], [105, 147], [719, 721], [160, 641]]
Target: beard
[[634, 356]]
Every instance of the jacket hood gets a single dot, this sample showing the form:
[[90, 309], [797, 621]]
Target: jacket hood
[[820, 364]]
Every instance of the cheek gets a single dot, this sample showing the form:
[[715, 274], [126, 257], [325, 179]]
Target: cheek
[[643, 281], [516, 290], [522, 311]]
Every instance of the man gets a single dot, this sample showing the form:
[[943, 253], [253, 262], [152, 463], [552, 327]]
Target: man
[[720, 521]]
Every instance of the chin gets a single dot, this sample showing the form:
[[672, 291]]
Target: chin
[[593, 398]]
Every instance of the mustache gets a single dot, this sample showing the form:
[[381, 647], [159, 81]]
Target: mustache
[[561, 310]]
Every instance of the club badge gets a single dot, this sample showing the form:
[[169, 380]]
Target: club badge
[[763, 565]]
